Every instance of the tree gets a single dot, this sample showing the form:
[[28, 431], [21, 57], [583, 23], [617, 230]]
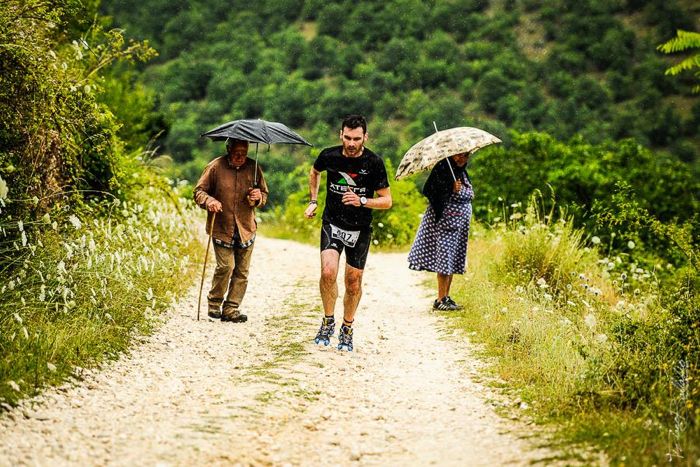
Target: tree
[[684, 40]]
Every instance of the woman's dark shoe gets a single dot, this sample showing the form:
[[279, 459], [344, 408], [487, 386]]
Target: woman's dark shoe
[[446, 304], [453, 303]]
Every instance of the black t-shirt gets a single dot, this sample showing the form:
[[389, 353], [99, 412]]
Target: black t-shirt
[[363, 175]]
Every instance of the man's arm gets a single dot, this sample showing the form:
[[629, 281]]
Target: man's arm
[[201, 192], [381, 201], [314, 183]]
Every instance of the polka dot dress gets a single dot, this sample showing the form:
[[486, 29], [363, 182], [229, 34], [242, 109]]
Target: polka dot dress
[[441, 246]]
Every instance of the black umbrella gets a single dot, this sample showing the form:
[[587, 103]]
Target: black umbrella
[[256, 131]]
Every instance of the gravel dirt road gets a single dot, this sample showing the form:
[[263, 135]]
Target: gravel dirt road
[[262, 393]]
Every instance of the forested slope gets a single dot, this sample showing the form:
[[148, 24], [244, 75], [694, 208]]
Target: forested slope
[[586, 68]]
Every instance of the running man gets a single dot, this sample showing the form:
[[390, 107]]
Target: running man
[[355, 174]]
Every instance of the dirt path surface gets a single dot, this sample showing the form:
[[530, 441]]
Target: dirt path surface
[[262, 393]]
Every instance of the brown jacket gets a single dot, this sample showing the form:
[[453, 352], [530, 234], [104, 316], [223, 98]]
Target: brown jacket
[[223, 182]]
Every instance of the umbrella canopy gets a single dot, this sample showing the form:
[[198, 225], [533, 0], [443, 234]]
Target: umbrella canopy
[[442, 144], [256, 131]]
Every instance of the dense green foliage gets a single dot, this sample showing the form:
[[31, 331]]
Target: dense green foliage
[[585, 68], [587, 179], [90, 234]]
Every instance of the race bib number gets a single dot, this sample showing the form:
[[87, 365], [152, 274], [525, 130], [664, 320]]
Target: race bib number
[[349, 238]]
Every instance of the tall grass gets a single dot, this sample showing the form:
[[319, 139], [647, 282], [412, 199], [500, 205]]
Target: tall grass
[[586, 340], [77, 286]]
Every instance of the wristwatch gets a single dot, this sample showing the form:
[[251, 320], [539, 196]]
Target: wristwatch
[[363, 201]]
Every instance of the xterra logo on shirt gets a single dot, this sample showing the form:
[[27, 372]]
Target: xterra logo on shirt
[[345, 183], [347, 179]]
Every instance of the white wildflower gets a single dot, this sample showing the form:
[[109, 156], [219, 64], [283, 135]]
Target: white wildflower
[[601, 338], [15, 387], [504, 310], [570, 303], [18, 318], [61, 267], [595, 240], [376, 242], [11, 284], [3, 189], [389, 236], [519, 289], [73, 219], [54, 225], [51, 367], [500, 199], [109, 317], [514, 205], [631, 245], [149, 294], [542, 284], [42, 293], [24, 238], [69, 250], [25, 332], [380, 225], [590, 320], [515, 216], [547, 296]]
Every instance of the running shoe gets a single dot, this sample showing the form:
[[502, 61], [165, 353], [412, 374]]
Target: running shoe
[[325, 331], [345, 338]]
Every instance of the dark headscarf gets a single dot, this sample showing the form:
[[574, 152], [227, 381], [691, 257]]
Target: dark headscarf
[[439, 185]]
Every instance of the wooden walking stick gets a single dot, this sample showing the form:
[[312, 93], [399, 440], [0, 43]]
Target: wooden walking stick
[[204, 268]]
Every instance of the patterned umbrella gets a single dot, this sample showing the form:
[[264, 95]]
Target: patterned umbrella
[[442, 144]]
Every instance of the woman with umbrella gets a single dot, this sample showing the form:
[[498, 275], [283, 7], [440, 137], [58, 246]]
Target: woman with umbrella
[[440, 245]]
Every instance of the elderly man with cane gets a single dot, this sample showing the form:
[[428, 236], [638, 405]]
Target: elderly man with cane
[[230, 189]]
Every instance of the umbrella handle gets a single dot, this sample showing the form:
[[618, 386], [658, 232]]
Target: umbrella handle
[[451, 169], [448, 162], [255, 173], [204, 268]]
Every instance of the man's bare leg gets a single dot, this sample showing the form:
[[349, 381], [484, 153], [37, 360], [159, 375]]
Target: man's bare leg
[[328, 283], [353, 292]]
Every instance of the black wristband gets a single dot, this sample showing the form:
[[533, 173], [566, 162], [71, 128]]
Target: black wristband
[[313, 201]]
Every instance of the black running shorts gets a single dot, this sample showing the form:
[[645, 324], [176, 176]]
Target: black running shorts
[[354, 242]]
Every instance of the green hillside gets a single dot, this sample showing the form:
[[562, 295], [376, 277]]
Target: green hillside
[[586, 68]]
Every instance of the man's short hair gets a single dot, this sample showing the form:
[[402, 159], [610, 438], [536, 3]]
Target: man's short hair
[[354, 121], [230, 142]]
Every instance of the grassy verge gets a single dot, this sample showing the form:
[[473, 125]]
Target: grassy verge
[[593, 345], [82, 285]]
